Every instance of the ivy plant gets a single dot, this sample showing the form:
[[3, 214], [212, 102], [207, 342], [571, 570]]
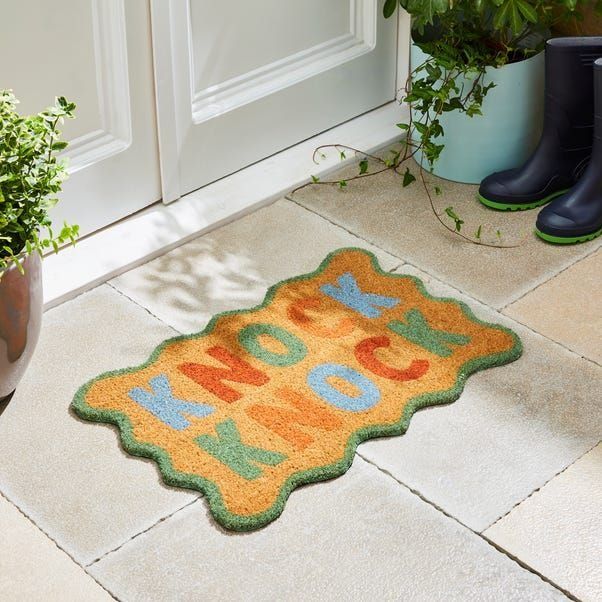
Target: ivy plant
[[461, 40], [31, 177]]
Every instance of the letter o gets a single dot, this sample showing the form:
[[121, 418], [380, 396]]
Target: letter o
[[248, 337], [318, 377]]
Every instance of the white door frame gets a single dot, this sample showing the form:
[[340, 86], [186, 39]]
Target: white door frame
[[171, 75], [168, 75]]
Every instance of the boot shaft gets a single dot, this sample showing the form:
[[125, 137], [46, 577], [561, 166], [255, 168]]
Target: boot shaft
[[569, 101], [598, 98], [597, 148]]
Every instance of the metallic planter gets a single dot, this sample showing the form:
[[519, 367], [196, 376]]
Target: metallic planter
[[507, 132], [20, 320]]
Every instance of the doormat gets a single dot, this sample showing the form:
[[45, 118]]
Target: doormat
[[266, 399]]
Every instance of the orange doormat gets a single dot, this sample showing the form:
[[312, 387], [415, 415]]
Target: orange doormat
[[273, 397]]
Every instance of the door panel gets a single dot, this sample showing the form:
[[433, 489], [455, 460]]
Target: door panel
[[223, 53], [96, 53], [239, 81]]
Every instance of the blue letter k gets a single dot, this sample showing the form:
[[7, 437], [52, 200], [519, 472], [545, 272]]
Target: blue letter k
[[162, 404]]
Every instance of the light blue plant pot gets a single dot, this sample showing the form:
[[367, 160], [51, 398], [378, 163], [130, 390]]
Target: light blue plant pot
[[504, 136]]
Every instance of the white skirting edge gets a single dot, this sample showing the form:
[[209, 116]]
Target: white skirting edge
[[160, 228]]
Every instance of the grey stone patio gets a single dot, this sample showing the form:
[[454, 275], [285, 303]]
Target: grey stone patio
[[497, 496]]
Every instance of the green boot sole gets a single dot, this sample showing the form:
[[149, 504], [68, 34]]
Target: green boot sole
[[567, 240], [519, 206]]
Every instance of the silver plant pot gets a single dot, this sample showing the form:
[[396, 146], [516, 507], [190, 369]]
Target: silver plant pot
[[20, 320]]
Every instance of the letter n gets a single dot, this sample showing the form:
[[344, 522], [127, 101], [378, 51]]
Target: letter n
[[211, 377], [284, 421]]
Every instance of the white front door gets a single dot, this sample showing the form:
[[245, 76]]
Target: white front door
[[238, 81], [98, 54]]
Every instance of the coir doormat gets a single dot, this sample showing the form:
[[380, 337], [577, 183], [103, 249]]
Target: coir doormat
[[266, 399]]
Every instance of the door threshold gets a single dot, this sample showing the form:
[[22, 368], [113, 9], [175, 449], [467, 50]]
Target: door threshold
[[161, 228]]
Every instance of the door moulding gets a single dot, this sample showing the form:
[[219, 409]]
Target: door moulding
[[172, 57], [267, 79], [112, 82]]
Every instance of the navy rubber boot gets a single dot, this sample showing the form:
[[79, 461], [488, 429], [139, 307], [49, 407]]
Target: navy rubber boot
[[565, 145], [577, 215]]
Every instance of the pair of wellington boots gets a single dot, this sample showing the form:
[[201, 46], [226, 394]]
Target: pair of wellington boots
[[565, 170]]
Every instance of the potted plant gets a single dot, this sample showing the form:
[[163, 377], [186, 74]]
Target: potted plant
[[31, 176], [478, 57]]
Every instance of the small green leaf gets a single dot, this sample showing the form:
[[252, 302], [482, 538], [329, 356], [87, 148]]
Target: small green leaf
[[454, 216], [315, 179], [363, 166], [389, 8], [342, 184], [408, 177], [527, 11], [478, 232]]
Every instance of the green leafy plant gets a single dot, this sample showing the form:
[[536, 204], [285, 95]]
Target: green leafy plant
[[31, 176], [461, 40]]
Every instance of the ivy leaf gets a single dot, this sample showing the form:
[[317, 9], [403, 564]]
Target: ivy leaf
[[315, 179], [363, 166], [342, 184], [457, 220], [527, 11], [508, 14], [408, 177], [421, 128], [389, 8], [424, 11]]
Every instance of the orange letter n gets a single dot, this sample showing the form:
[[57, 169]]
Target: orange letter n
[[284, 421], [211, 377]]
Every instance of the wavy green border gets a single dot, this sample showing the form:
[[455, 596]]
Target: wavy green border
[[208, 488]]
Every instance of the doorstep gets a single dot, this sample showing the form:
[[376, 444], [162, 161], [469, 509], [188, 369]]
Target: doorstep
[[160, 228]]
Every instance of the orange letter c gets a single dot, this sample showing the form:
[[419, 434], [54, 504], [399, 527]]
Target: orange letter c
[[296, 313], [364, 353]]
